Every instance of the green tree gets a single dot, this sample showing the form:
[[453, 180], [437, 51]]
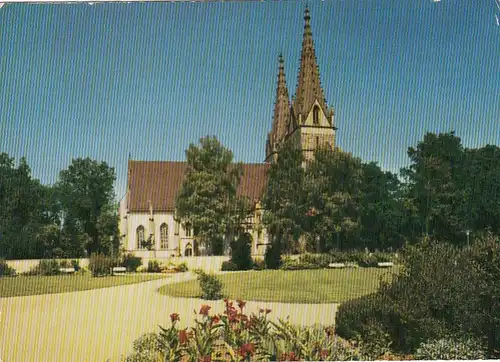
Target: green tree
[[207, 199], [86, 195], [332, 183], [22, 210], [435, 178], [284, 203]]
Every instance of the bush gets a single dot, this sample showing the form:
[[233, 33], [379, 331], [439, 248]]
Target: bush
[[101, 264], [291, 264], [241, 252], [182, 267], [6, 270], [451, 349], [272, 257], [229, 266], [259, 264], [147, 348], [154, 266], [131, 262], [47, 267], [321, 260], [211, 286]]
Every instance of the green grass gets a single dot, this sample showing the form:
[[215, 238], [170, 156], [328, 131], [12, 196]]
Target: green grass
[[36, 285], [301, 286]]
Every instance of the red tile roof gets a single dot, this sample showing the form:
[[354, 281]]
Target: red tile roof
[[160, 181]]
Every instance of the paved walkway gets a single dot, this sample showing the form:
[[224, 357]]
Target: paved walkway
[[101, 324]]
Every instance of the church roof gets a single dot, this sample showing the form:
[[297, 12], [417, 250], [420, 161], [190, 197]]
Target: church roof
[[309, 87], [160, 181]]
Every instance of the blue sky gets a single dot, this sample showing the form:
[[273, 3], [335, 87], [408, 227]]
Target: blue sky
[[150, 78]]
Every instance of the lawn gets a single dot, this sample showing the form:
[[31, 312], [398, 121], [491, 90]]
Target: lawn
[[35, 285], [301, 286]]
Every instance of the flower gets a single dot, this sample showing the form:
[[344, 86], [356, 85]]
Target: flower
[[324, 353], [183, 337], [241, 303], [174, 317], [261, 310], [268, 311], [246, 350], [204, 310], [207, 359], [215, 319]]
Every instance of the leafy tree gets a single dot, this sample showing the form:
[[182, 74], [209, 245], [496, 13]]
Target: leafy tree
[[21, 214], [207, 199], [435, 178], [284, 203], [241, 252], [86, 195], [333, 181]]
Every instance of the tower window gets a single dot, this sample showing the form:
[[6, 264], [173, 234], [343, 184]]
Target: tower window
[[140, 236], [316, 115]]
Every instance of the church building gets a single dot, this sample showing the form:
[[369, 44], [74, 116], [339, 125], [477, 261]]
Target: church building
[[147, 212]]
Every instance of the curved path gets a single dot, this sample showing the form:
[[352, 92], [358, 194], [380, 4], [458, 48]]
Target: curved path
[[101, 324]]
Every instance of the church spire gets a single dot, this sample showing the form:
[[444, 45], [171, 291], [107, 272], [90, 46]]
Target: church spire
[[281, 107], [309, 85]]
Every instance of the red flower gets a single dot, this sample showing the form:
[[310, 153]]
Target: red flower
[[174, 317], [247, 349], [207, 359], [241, 303], [324, 353], [261, 310], [183, 337], [204, 310], [268, 311], [215, 319]]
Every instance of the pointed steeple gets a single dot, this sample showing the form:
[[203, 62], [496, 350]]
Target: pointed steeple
[[281, 107], [309, 85]]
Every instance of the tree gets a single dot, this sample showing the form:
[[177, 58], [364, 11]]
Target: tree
[[284, 203], [207, 199], [21, 213], [241, 251], [435, 178], [86, 195], [332, 183]]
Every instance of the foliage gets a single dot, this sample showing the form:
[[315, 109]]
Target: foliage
[[48, 267], [451, 349], [259, 264], [210, 285], [147, 348], [131, 262], [235, 336], [182, 267], [207, 199], [6, 270], [332, 183], [229, 266], [241, 252], [100, 264], [442, 290], [154, 266], [86, 196], [284, 203], [292, 264]]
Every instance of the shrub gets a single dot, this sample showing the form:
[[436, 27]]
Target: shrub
[[211, 286], [5, 269], [321, 260], [100, 264], [229, 266], [451, 349], [182, 267], [147, 348], [272, 257], [241, 252], [131, 262], [259, 264], [154, 266], [47, 267], [291, 264]]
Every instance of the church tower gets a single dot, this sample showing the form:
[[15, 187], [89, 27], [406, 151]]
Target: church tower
[[308, 122]]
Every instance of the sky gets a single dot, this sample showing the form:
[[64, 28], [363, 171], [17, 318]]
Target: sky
[[147, 79]]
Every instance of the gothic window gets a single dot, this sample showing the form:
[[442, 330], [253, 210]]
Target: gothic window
[[163, 236], [189, 250], [316, 115], [188, 230], [140, 236]]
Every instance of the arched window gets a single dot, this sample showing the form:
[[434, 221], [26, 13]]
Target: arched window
[[140, 236], [164, 236], [316, 115], [189, 250]]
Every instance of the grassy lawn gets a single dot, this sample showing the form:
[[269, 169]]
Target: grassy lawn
[[301, 286], [35, 285]]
